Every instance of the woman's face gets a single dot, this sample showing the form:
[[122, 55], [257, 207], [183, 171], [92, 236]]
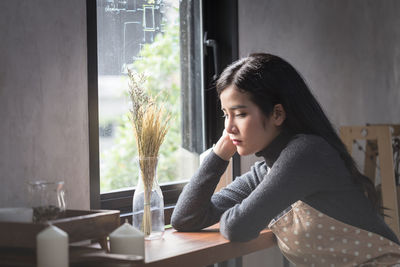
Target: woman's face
[[248, 128]]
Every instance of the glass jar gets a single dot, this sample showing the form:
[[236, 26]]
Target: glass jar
[[148, 201], [47, 200]]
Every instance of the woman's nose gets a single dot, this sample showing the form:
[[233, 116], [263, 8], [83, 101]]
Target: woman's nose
[[230, 127]]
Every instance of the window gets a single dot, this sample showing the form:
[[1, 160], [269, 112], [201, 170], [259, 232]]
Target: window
[[142, 36], [126, 34]]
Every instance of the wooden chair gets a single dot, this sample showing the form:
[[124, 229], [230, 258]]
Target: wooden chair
[[378, 139]]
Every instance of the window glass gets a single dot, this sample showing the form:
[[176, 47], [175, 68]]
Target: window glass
[[143, 36]]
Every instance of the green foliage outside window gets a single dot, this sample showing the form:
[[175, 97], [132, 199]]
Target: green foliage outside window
[[160, 62]]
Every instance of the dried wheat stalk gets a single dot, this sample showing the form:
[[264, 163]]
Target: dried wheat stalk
[[150, 126]]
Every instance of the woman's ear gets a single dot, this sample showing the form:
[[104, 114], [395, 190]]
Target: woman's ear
[[278, 115]]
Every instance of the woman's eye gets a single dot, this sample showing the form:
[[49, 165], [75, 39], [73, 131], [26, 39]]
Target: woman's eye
[[235, 115]]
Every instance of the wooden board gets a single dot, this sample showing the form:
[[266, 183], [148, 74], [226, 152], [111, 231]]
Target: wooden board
[[79, 224]]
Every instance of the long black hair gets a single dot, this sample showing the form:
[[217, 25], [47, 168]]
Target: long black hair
[[271, 80]]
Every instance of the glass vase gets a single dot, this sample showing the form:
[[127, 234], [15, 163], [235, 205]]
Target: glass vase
[[47, 200], [148, 201]]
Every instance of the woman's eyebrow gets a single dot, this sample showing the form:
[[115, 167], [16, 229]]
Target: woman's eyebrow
[[235, 107]]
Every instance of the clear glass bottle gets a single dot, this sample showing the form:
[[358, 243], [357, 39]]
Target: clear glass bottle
[[148, 201]]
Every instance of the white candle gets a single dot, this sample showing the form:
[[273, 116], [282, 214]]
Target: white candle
[[126, 239], [16, 214], [52, 247]]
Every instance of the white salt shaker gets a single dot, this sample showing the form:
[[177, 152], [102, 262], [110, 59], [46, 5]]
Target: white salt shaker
[[52, 247], [127, 240]]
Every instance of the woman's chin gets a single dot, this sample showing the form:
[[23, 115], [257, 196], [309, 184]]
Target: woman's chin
[[243, 152]]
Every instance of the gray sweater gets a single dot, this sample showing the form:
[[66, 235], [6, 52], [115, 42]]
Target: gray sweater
[[302, 167]]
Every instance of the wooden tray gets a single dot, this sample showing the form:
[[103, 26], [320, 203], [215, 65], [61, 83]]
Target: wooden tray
[[79, 224]]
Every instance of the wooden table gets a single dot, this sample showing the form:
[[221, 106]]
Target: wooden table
[[200, 248], [194, 249]]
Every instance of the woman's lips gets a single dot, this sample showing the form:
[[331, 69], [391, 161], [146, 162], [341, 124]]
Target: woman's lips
[[236, 142]]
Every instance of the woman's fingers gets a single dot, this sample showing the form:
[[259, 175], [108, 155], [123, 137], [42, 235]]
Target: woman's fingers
[[224, 148]]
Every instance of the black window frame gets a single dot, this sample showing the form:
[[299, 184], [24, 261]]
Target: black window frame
[[220, 21]]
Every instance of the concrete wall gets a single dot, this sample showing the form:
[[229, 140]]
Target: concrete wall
[[348, 52], [43, 98]]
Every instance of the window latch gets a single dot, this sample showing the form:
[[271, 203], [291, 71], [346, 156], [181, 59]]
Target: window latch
[[214, 45]]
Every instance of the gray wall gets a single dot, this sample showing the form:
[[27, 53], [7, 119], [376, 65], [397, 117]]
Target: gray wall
[[43, 98], [348, 52]]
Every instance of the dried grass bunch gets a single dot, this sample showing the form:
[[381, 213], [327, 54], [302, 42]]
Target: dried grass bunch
[[150, 126]]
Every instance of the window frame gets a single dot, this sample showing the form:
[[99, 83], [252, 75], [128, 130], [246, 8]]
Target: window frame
[[220, 13]]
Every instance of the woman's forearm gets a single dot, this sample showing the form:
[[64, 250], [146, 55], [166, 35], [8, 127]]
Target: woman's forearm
[[194, 209]]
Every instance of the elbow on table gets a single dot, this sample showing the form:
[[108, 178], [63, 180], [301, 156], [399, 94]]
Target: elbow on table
[[177, 224], [237, 233], [236, 236], [181, 223]]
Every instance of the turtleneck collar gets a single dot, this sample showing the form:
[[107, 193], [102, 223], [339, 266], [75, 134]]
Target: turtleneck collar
[[274, 149]]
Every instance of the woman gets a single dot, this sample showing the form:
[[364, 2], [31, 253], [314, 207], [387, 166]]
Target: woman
[[307, 190]]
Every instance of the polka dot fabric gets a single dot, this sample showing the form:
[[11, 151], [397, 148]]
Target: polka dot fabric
[[308, 237]]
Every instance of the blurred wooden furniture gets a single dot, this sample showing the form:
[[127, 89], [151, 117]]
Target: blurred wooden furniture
[[378, 143]]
